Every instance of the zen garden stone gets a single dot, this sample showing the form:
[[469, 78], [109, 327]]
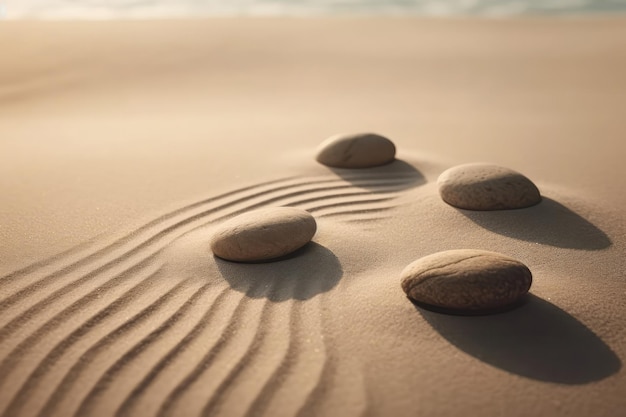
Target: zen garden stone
[[363, 150], [486, 187], [264, 234], [466, 280]]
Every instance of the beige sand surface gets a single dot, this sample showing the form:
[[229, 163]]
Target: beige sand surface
[[123, 145]]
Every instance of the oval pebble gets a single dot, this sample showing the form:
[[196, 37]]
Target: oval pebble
[[362, 150], [264, 234], [466, 280], [486, 187]]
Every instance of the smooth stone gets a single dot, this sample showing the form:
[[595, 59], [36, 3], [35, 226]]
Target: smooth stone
[[362, 150], [486, 187], [263, 234], [466, 280]]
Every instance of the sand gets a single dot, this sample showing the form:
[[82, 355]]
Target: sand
[[125, 144]]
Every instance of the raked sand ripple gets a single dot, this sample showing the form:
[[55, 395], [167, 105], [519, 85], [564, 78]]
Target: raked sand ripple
[[152, 324], [109, 328]]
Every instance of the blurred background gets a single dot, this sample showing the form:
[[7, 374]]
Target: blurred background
[[142, 9]]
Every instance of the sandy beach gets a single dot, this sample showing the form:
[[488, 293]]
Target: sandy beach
[[125, 144]]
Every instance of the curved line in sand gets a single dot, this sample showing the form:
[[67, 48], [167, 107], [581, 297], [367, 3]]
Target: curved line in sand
[[64, 388], [43, 263], [89, 401], [261, 400], [59, 350], [362, 219], [217, 347], [18, 322], [270, 401], [97, 256], [88, 277], [351, 204], [33, 309], [357, 211], [95, 248], [138, 349], [50, 279], [247, 359], [322, 382], [28, 386], [10, 361]]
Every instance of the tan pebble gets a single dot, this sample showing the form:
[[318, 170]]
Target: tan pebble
[[362, 150], [263, 234], [466, 280], [486, 187]]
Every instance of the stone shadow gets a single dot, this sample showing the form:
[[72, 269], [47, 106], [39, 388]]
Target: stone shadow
[[397, 175], [537, 340], [548, 223], [302, 275]]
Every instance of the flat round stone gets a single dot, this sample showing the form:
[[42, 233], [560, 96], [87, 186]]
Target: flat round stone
[[466, 280], [362, 150], [263, 234], [486, 187]]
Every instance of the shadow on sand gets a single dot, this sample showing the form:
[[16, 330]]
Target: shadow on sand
[[548, 223], [537, 340], [302, 275], [398, 174]]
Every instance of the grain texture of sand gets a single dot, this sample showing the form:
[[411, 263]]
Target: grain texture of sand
[[125, 144]]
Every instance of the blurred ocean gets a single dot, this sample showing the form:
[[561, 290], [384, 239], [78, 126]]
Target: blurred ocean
[[130, 9]]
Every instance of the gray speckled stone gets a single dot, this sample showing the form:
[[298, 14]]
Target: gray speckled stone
[[263, 234], [466, 280], [486, 187], [363, 150]]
